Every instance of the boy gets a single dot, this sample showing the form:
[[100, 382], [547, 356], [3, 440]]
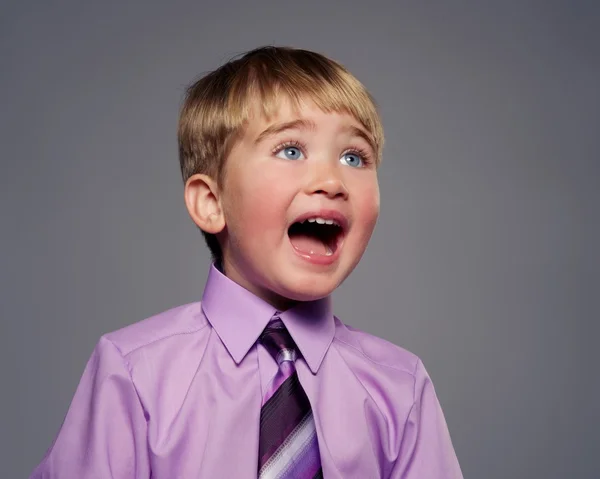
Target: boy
[[279, 152]]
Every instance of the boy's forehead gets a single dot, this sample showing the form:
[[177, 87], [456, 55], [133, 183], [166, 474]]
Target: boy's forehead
[[280, 108], [285, 111]]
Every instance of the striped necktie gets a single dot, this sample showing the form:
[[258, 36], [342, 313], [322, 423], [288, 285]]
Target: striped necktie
[[288, 446]]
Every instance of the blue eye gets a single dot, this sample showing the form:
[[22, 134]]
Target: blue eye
[[290, 153], [352, 159]]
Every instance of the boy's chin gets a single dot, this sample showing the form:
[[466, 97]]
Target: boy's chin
[[308, 286], [304, 296], [312, 291]]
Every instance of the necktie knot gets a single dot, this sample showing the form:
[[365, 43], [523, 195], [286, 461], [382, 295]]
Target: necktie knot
[[278, 342]]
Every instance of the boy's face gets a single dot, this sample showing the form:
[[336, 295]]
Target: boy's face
[[302, 164]]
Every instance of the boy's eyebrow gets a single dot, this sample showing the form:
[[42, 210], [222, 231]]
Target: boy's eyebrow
[[288, 125], [355, 131], [308, 125]]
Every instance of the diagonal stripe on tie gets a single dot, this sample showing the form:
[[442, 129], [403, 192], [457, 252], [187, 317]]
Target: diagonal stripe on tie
[[280, 415], [288, 445], [297, 455]]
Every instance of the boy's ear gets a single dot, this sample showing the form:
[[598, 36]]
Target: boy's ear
[[203, 203]]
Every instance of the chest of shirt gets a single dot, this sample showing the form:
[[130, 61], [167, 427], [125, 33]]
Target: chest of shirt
[[203, 417]]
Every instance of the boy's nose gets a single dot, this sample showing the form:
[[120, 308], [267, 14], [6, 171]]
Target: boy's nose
[[328, 183]]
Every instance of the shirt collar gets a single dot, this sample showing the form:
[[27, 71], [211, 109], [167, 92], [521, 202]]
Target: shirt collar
[[239, 317]]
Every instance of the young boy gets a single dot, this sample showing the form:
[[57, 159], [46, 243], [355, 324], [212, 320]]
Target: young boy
[[279, 152]]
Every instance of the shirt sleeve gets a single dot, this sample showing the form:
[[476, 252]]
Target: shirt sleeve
[[426, 449], [104, 432]]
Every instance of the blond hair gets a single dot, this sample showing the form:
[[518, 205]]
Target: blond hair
[[217, 107]]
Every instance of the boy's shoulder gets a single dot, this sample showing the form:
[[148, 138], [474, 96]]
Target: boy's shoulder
[[376, 351], [175, 322], [189, 319]]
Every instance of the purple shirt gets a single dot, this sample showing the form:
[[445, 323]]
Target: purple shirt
[[178, 395]]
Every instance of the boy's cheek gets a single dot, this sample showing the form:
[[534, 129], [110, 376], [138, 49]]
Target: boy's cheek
[[368, 207], [252, 201], [257, 218], [367, 216]]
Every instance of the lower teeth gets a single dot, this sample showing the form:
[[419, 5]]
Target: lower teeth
[[329, 251]]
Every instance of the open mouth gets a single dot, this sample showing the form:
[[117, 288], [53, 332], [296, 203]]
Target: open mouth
[[316, 236]]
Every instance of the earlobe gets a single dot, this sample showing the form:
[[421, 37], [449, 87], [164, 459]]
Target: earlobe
[[203, 204]]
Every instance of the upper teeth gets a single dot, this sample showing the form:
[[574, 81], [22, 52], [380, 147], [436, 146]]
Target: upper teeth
[[322, 221]]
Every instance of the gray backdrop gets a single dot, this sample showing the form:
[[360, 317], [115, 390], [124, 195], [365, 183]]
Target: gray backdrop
[[484, 261]]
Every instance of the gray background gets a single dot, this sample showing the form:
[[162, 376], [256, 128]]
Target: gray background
[[484, 261]]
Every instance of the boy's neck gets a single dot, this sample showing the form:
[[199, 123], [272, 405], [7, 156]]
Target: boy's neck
[[280, 303]]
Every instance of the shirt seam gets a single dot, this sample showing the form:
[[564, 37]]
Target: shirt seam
[[411, 408], [395, 368], [156, 340], [123, 356], [127, 364]]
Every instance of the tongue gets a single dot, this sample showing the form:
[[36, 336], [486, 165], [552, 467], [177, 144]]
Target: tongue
[[308, 244]]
